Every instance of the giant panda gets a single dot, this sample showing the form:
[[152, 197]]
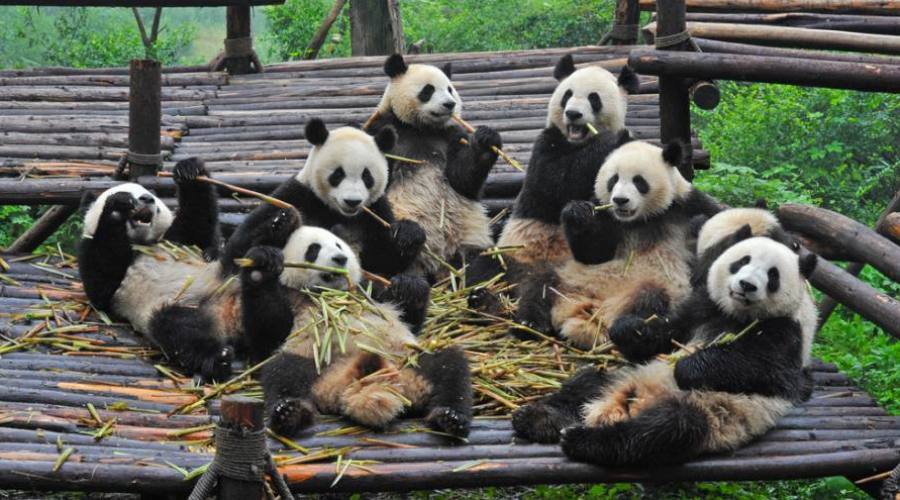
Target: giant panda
[[630, 260], [346, 173], [371, 389], [138, 286], [442, 190], [563, 166], [716, 394]]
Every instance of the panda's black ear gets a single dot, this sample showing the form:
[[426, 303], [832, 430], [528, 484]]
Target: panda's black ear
[[624, 137], [316, 132], [761, 203], [448, 69], [386, 138], [673, 153], [745, 232], [564, 67], [808, 264], [629, 81], [395, 65]]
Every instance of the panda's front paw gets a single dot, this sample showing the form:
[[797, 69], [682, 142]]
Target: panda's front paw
[[217, 367], [267, 264], [539, 422], [412, 291], [577, 214], [408, 236], [631, 335], [119, 207], [188, 170], [450, 421], [291, 415], [280, 228], [577, 441], [482, 299], [485, 139]]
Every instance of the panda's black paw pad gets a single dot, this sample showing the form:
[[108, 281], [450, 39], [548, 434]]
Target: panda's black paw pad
[[408, 236], [290, 416], [217, 367], [188, 170], [283, 224], [448, 420], [631, 335], [120, 205], [487, 138], [267, 263], [410, 290], [482, 299], [539, 423], [578, 213]]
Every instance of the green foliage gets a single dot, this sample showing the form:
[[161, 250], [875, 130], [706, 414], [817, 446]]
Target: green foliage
[[292, 26], [15, 219]]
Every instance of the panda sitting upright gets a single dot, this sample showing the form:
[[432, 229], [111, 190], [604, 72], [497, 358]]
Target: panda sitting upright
[[345, 173], [740, 371], [442, 193], [563, 166]]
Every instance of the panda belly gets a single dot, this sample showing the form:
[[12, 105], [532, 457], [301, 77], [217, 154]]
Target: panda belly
[[592, 297], [453, 224], [541, 242], [150, 283]]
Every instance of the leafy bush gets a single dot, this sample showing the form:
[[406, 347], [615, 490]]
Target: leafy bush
[[292, 26]]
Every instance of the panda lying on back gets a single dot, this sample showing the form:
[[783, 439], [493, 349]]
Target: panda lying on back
[[442, 194], [720, 393], [345, 173]]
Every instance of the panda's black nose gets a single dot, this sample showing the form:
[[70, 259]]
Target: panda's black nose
[[339, 259], [573, 115], [620, 201], [146, 199], [747, 287], [450, 105], [352, 202]]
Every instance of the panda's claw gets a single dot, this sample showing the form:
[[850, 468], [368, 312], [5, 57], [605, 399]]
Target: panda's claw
[[481, 299], [292, 415], [188, 170], [283, 224], [448, 420], [408, 289]]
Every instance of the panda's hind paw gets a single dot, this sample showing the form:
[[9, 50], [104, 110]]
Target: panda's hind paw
[[539, 422], [292, 415], [447, 420]]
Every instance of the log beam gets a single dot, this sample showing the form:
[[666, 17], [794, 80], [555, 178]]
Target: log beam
[[877, 7], [841, 75], [759, 50], [42, 229]]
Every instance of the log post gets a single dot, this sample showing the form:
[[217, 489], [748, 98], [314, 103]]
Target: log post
[[241, 414], [238, 42], [375, 28], [144, 116], [674, 98], [626, 25], [705, 94], [42, 229]]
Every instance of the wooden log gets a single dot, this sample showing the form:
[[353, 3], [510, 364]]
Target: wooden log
[[375, 28], [144, 117], [877, 7], [717, 46], [312, 50], [705, 94], [890, 227], [240, 414], [860, 242], [113, 140], [868, 77], [786, 36], [883, 25], [674, 99], [42, 228]]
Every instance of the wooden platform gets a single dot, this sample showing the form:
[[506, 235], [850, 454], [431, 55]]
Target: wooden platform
[[47, 386], [62, 131]]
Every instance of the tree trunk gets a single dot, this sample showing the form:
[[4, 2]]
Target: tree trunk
[[375, 28]]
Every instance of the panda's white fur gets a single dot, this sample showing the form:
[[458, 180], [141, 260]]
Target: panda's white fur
[[401, 97], [726, 222], [331, 251], [145, 233], [357, 155], [582, 83]]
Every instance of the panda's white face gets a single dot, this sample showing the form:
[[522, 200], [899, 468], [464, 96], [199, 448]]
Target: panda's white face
[[638, 182], [589, 95], [757, 278], [347, 172], [321, 247], [422, 95], [146, 223]]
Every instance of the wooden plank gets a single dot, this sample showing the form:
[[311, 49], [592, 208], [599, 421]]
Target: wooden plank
[[882, 7]]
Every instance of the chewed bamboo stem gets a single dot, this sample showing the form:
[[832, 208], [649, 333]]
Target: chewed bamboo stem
[[372, 119], [237, 189], [591, 128], [404, 159], [377, 217], [470, 129], [598, 208]]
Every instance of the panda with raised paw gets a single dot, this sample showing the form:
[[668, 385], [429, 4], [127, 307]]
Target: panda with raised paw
[[564, 163], [741, 371], [345, 174], [442, 190], [140, 286], [631, 258], [370, 389]]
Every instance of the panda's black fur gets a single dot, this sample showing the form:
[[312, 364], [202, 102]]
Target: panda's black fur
[[717, 397], [383, 250]]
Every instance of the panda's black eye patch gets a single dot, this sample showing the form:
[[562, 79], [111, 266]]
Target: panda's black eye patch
[[367, 178], [451, 90], [641, 184], [738, 264], [596, 103], [565, 99], [426, 93], [774, 280], [338, 245], [312, 252], [336, 177], [611, 183]]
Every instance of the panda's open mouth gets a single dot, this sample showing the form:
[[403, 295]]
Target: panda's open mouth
[[142, 216], [740, 297], [576, 132], [624, 213], [330, 277], [440, 114]]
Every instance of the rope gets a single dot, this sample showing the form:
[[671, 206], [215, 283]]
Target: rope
[[144, 159], [241, 455], [672, 40], [624, 32], [891, 488], [239, 47]]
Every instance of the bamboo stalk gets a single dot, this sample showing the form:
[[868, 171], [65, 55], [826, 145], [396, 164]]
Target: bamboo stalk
[[470, 129], [237, 189]]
